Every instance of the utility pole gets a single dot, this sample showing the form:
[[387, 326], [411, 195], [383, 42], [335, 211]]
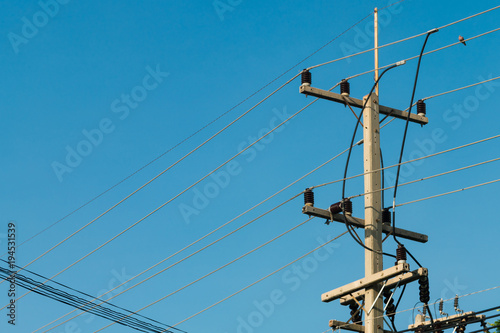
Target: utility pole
[[373, 204], [368, 290]]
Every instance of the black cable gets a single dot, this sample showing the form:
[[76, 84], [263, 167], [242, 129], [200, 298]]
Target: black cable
[[430, 316], [403, 145], [80, 303], [349, 157], [88, 295]]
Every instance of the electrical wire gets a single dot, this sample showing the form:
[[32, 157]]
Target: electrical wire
[[85, 294], [199, 130], [243, 289], [179, 194], [218, 228], [454, 90], [402, 148], [404, 39], [447, 300], [410, 161], [171, 166], [426, 53], [429, 177], [75, 301], [208, 274], [451, 192], [348, 159]]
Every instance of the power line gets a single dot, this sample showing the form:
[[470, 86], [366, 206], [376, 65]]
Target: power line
[[454, 90], [429, 177], [204, 276], [403, 40], [80, 303], [173, 198], [426, 53], [451, 192], [179, 194], [250, 285], [417, 307], [218, 228], [410, 161], [201, 129]]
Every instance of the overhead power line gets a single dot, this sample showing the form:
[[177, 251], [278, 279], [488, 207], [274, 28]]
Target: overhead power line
[[199, 130], [429, 177], [204, 276], [451, 192], [402, 40], [411, 161], [245, 288], [180, 193], [426, 53], [216, 229], [80, 303]]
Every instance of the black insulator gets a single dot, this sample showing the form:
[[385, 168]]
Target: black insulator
[[345, 87], [306, 77], [338, 207], [308, 197], [441, 306], [386, 216], [421, 108], [401, 252], [348, 206], [355, 314], [455, 303], [424, 289], [390, 308]]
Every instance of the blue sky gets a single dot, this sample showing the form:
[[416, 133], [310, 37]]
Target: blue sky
[[93, 91]]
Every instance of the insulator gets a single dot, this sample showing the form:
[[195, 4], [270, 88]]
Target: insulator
[[401, 253], [424, 289], [390, 309], [386, 216], [345, 87], [441, 306], [306, 77], [337, 208], [421, 108], [356, 316], [308, 197]]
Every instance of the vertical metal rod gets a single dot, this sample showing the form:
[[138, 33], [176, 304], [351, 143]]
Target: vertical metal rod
[[375, 29], [373, 212]]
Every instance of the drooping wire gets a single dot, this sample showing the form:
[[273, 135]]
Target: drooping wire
[[403, 145], [348, 159]]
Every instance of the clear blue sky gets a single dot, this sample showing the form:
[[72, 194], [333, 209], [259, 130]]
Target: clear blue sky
[[92, 91]]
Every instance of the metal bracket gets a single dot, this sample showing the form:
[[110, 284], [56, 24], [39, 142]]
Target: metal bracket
[[349, 327]]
